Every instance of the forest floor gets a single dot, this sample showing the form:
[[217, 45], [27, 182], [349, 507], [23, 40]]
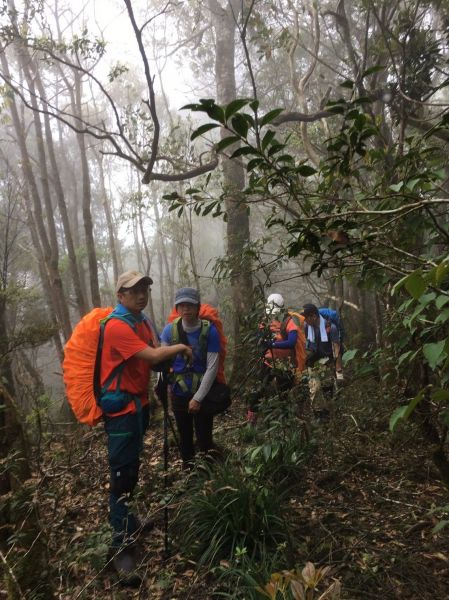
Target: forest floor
[[363, 505]]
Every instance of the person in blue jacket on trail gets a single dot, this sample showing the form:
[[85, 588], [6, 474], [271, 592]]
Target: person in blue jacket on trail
[[190, 384]]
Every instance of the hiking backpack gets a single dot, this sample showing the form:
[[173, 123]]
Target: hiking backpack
[[81, 365], [300, 348]]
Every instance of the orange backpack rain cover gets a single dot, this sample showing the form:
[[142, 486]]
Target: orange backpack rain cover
[[211, 314], [79, 365], [300, 348]]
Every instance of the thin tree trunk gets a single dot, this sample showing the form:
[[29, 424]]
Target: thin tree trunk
[[87, 199], [109, 221], [74, 271], [52, 271], [238, 234]]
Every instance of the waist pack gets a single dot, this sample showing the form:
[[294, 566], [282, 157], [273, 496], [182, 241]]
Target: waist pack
[[217, 399], [114, 401]]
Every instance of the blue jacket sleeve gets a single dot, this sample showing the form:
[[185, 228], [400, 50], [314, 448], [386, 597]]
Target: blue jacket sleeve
[[290, 342]]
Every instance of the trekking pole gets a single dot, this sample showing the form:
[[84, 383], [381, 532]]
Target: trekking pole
[[162, 387]]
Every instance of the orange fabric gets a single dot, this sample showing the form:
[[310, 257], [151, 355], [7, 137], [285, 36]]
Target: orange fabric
[[120, 343], [300, 344], [211, 314], [298, 353], [79, 365]]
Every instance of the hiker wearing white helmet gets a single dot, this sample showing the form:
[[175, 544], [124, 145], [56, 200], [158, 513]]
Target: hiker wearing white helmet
[[284, 356], [275, 303]]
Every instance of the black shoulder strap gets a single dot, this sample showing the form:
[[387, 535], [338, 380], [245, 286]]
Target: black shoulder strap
[[97, 368], [182, 335]]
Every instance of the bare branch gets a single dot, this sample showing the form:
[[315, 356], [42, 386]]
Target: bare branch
[[210, 166], [152, 99]]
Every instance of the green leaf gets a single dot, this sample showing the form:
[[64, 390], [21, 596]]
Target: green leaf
[[254, 105], [426, 299], [240, 125], [275, 148], [398, 285], [306, 170], [195, 107], [267, 138], [215, 112], [415, 284], [440, 395], [397, 415], [349, 355], [244, 151], [348, 83], [442, 317], [411, 184], [439, 526], [209, 208], [397, 187], [267, 451], [372, 70], [404, 356], [234, 106], [270, 116], [255, 452], [225, 142], [253, 163], [366, 370], [403, 412], [203, 129], [441, 272], [441, 301], [285, 158], [434, 353]]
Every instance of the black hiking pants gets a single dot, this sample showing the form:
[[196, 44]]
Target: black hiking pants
[[185, 423]]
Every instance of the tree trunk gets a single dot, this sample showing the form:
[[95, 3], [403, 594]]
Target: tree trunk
[[52, 274], [87, 200], [238, 234], [109, 221], [74, 271]]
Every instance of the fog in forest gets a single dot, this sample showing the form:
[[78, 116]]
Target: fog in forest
[[241, 148]]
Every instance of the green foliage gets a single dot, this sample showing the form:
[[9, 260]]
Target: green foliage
[[249, 581], [227, 508], [382, 199], [91, 549]]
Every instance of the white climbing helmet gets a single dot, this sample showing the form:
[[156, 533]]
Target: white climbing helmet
[[275, 303]]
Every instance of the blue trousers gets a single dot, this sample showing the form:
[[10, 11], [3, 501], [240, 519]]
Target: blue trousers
[[125, 442]]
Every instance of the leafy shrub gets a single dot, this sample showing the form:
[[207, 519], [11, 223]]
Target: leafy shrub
[[309, 583], [230, 508]]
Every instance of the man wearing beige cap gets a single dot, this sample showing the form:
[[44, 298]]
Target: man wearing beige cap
[[130, 347]]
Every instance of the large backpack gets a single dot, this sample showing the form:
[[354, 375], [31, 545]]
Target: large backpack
[[78, 366], [209, 313], [81, 365], [300, 348]]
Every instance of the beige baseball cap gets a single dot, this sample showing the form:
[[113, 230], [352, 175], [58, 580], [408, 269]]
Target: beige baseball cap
[[130, 278]]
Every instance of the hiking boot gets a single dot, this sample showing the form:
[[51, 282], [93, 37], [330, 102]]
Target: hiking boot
[[124, 563]]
